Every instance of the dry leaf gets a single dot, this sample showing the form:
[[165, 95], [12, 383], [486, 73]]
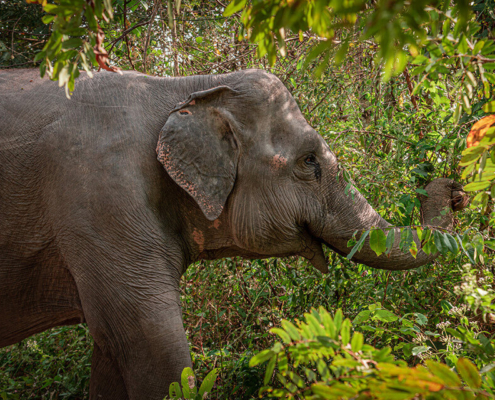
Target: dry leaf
[[101, 53], [479, 129]]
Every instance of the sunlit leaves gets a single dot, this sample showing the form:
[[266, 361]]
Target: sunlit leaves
[[189, 389], [71, 46], [469, 373], [480, 129], [361, 368]]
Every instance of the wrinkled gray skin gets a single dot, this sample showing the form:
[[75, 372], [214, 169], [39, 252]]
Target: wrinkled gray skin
[[93, 228]]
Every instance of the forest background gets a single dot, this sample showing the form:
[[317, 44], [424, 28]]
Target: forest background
[[395, 88]]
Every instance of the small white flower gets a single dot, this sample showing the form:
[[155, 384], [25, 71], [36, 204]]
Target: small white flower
[[443, 325]]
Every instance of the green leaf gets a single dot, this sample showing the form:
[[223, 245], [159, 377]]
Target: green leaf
[[345, 332], [471, 155], [296, 379], [420, 319], [469, 373], [337, 319], [336, 390], [488, 368], [406, 239], [489, 107], [174, 391], [358, 245], [208, 383], [385, 316], [188, 382], [450, 243], [419, 349], [40, 56], [378, 241], [479, 185], [390, 240], [439, 241], [72, 43], [413, 249], [269, 369], [233, 7], [261, 357], [357, 342], [448, 377], [291, 330], [199, 40], [47, 19], [283, 335], [361, 317], [422, 191], [421, 59]]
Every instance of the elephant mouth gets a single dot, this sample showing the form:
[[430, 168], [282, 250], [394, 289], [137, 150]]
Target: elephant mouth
[[315, 254]]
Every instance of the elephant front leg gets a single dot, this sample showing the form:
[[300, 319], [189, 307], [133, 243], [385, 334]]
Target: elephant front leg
[[140, 346], [106, 380], [156, 355]]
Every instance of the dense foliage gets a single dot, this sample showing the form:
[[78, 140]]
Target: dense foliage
[[394, 125]]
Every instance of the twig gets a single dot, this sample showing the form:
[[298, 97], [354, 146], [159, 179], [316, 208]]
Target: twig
[[410, 87], [25, 33], [126, 32], [15, 65], [13, 30], [376, 133], [385, 291], [153, 15], [126, 38]]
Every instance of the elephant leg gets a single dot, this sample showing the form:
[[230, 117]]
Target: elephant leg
[[146, 355], [106, 380], [159, 354], [133, 313]]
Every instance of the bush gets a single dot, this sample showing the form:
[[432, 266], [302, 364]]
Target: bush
[[321, 358]]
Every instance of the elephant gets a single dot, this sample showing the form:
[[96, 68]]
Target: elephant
[[107, 197]]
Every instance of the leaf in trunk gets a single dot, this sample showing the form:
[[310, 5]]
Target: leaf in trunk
[[450, 243], [406, 240], [390, 241], [439, 241], [358, 245], [413, 249], [378, 241], [429, 243]]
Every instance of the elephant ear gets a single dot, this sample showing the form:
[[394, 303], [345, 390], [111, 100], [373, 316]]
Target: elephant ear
[[198, 149]]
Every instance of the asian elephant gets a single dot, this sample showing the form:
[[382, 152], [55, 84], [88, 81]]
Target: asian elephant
[[106, 198]]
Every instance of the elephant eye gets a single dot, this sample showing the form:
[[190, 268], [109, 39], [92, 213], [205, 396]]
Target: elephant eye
[[310, 159], [185, 112]]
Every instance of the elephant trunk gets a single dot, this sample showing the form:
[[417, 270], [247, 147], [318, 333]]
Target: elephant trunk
[[350, 212]]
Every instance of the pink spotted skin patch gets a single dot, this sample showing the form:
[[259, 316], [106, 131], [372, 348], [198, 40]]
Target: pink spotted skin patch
[[278, 162]]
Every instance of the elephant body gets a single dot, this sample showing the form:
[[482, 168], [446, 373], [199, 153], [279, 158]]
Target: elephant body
[[95, 229]]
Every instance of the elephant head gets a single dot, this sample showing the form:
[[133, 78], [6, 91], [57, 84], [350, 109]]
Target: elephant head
[[267, 184]]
